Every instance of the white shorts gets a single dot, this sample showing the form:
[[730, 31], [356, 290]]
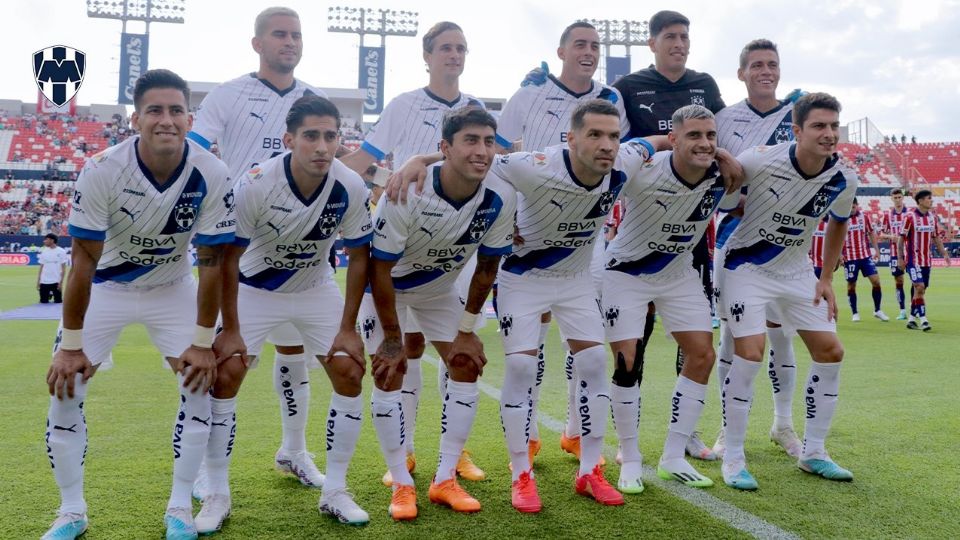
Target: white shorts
[[463, 288], [285, 335], [313, 314], [168, 312], [747, 295], [572, 300], [773, 311], [438, 317], [681, 305]]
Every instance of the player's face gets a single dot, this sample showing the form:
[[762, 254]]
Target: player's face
[[48, 242], [472, 151], [581, 53], [819, 133], [762, 74], [163, 121], [595, 145], [925, 204], [449, 54], [281, 44], [897, 200], [854, 208], [670, 47], [695, 142], [314, 145]]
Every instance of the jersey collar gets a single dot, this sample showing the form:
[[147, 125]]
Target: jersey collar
[[293, 185], [438, 189], [796, 165], [149, 175], [439, 99], [566, 163], [712, 172], [768, 113], [561, 86], [270, 85]]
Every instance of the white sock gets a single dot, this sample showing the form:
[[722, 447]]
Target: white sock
[[686, 407], [223, 430], [594, 404], [442, 377], [520, 371], [459, 411], [737, 397], [625, 402], [292, 384], [344, 419], [572, 428], [823, 384], [782, 369], [191, 430], [66, 440], [541, 368], [724, 353], [388, 421], [412, 386]]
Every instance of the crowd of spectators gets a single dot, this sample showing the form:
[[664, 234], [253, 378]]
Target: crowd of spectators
[[42, 210]]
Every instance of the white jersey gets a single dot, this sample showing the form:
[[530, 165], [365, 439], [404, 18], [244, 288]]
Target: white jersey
[[740, 126], [540, 115], [412, 124], [782, 209], [558, 217], [51, 262], [146, 228], [288, 236], [432, 237], [664, 219], [247, 117]]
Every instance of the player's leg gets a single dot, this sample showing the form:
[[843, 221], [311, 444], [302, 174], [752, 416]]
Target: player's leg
[[876, 292], [57, 294], [782, 370], [898, 283], [695, 447], [922, 295], [724, 361], [918, 307], [852, 270], [534, 444]]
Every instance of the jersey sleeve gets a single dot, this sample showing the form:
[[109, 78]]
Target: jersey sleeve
[[840, 209], [247, 205], [498, 240], [209, 123], [634, 155], [217, 224], [613, 95], [391, 227], [730, 201], [907, 227], [90, 213], [385, 135], [751, 160], [509, 169], [356, 226], [510, 123]]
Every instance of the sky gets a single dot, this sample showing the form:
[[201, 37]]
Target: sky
[[896, 62]]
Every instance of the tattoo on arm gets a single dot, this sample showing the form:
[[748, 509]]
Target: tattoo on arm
[[482, 282]]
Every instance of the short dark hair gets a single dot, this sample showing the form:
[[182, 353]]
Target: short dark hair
[[815, 100], [663, 19], [855, 201], [566, 31], [310, 105], [756, 45], [896, 191], [159, 78], [593, 106], [52, 237], [455, 120], [435, 31], [922, 194]]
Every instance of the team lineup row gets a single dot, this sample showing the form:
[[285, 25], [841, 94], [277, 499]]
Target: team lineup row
[[262, 247]]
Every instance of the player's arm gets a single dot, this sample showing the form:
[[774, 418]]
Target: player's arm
[[389, 361], [874, 242], [833, 240], [69, 359], [731, 169], [414, 171], [906, 229], [199, 356], [359, 160], [229, 342], [467, 343], [940, 247]]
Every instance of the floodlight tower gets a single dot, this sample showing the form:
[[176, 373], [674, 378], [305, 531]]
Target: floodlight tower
[[613, 32]]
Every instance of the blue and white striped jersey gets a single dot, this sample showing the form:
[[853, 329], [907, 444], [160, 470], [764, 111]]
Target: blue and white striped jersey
[[288, 236], [431, 237], [740, 126], [146, 228], [782, 208]]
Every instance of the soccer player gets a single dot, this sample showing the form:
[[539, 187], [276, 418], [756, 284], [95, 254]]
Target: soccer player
[[790, 187], [892, 227], [412, 124], [920, 230], [538, 116], [816, 247], [858, 260], [760, 119], [246, 117], [419, 249], [669, 204], [136, 208], [289, 211], [53, 268]]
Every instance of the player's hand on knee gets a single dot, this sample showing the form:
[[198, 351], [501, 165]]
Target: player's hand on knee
[[199, 366], [61, 376], [824, 291], [470, 346], [389, 363], [348, 343], [229, 343]]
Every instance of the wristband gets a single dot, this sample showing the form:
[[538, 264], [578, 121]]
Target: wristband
[[203, 337], [468, 322], [71, 340]]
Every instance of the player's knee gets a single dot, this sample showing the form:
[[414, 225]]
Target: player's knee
[[626, 370], [414, 345], [463, 366], [831, 353], [230, 375]]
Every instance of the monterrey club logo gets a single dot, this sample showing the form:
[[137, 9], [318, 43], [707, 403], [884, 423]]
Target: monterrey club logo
[[58, 71]]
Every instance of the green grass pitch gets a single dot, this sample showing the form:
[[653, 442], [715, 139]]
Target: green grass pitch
[[897, 428]]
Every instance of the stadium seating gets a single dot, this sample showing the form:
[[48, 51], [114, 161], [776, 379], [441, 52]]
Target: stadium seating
[[934, 162], [872, 169]]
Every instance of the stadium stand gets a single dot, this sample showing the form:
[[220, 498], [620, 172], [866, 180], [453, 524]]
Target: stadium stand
[[925, 163], [873, 170]]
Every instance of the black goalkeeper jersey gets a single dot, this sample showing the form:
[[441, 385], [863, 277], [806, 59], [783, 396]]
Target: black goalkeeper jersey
[[651, 99]]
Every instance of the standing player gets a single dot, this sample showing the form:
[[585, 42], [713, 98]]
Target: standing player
[[53, 268], [419, 249], [790, 187], [412, 124], [816, 248], [892, 227], [920, 231], [858, 260], [246, 117], [137, 207], [289, 211]]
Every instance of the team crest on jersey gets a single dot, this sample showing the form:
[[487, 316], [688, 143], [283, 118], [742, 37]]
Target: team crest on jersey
[[706, 205], [606, 202], [782, 134], [328, 224], [184, 215], [478, 227], [698, 100]]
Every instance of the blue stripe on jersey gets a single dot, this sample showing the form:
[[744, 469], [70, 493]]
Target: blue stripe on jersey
[[385, 255], [187, 208], [357, 242], [783, 133], [607, 94], [199, 139], [415, 279], [605, 201], [839, 219], [824, 197], [240, 241], [709, 202], [649, 264], [727, 225], [483, 217], [372, 150], [494, 252], [213, 239], [541, 258], [328, 223], [640, 140], [760, 253], [86, 234], [503, 142], [270, 279], [123, 272]]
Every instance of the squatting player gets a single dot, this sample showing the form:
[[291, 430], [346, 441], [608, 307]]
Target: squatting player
[[920, 231], [136, 209], [857, 259]]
